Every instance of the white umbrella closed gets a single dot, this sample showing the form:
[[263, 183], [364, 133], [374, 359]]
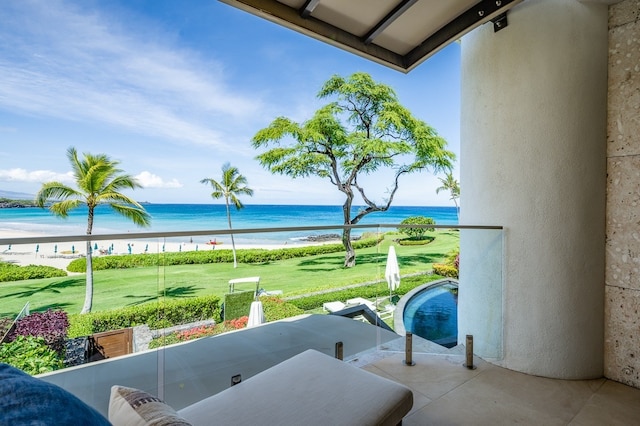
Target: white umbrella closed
[[256, 314], [392, 271]]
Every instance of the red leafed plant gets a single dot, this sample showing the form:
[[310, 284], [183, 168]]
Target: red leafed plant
[[237, 323], [212, 330], [50, 325]]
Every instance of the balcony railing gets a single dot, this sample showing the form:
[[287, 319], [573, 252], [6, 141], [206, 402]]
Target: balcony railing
[[174, 266]]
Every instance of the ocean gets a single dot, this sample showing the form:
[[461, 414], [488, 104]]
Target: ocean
[[197, 217]]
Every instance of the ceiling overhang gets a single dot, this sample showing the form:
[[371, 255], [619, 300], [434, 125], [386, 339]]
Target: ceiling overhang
[[400, 34]]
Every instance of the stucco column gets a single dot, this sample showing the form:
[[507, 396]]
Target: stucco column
[[533, 146]]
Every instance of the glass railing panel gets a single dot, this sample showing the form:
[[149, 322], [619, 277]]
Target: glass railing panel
[[466, 300], [297, 291]]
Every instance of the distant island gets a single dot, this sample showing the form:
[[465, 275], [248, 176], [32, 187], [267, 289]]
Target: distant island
[[7, 203]]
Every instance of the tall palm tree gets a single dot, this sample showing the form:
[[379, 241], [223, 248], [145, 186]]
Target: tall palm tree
[[98, 181], [451, 185], [230, 187]]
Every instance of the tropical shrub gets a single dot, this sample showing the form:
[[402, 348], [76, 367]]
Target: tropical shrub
[[51, 326], [450, 267], [448, 271], [212, 256], [31, 355], [418, 232], [11, 272]]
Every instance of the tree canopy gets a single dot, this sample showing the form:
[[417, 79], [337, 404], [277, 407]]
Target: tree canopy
[[363, 130]]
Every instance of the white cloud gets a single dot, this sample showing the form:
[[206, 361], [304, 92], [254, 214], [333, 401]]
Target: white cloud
[[38, 176], [57, 60], [149, 180]]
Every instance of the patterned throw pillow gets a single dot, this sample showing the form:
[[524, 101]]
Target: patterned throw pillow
[[133, 407]]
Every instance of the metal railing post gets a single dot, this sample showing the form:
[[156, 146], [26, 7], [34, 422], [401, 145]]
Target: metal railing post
[[339, 351], [408, 350], [469, 353]]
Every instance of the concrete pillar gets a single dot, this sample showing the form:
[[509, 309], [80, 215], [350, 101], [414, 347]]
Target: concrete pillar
[[533, 147]]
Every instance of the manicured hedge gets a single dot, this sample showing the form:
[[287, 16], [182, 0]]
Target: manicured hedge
[[11, 272], [416, 241], [276, 309], [237, 304], [155, 315], [211, 256], [315, 301]]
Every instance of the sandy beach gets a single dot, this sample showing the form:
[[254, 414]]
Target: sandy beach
[[59, 255]]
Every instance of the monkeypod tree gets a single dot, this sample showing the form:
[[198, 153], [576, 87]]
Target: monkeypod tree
[[363, 130]]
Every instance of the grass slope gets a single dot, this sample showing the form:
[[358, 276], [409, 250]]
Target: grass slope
[[119, 288]]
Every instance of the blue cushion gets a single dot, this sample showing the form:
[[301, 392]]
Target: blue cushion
[[26, 400]]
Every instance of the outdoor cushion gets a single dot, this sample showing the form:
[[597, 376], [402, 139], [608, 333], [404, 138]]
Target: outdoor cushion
[[26, 400], [134, 407], [310, 388]]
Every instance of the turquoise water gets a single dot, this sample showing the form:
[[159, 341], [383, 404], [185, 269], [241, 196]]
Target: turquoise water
[[433, 314], [195, 217]]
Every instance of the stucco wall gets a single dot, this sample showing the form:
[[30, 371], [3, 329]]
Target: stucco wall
[[533, 154], [622, 303]]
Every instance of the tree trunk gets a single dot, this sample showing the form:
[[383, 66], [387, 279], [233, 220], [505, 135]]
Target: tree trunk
[[88, 291], [233, 243], [457, 210], [350, 254]]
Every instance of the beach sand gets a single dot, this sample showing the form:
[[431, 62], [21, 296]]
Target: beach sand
[[59, 255]]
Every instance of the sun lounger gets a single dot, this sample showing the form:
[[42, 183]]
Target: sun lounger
[[361, 301], [333, 306]]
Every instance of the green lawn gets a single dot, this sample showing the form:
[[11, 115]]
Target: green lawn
[[118, 288]]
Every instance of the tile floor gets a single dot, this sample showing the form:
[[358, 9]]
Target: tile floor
[[447, 393]]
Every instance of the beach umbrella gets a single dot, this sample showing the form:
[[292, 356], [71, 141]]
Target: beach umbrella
[[256, 314], [392, 270]]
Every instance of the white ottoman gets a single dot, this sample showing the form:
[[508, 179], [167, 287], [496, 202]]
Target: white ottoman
[[310, 388]]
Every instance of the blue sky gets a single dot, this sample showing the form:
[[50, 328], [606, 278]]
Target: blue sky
[[174, 89]]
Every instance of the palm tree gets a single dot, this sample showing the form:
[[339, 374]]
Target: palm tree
[[230, 187], [451, 185], [98, 181]]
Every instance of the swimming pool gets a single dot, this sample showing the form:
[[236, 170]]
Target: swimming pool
[[431, 312]]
